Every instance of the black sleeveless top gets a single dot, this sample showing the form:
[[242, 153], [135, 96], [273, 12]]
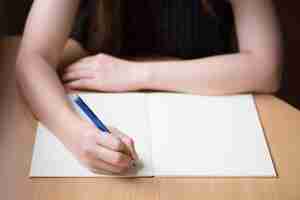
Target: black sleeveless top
[[177, 28]]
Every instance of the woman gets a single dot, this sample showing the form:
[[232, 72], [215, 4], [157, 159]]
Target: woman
[[187, 49]]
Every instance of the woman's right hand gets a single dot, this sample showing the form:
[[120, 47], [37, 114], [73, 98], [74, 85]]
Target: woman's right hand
[[114, 152]]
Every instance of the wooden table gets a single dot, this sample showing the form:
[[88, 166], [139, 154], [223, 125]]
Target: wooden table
[[17, 129]]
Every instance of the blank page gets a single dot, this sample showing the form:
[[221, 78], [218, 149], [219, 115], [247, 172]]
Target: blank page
[[207, 136], [125, 111]]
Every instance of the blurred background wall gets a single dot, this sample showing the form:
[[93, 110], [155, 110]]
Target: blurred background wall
[[14, 12], [2, 16], [290, 21]]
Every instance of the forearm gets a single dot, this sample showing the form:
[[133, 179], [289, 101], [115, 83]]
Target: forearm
[[218, 75], [44, 93], [255, 69], [40, 53]]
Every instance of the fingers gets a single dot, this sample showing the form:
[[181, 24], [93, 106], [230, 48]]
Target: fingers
[[77, 75], [113, 158], [110, 142], [129, 142], [103, 152], [75, 67], [81, 84], [98, 166], [82, 64], [110, 149], [118, 141]]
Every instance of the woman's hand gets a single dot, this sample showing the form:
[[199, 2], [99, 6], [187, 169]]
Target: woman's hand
[[104, 73], [114, 152]]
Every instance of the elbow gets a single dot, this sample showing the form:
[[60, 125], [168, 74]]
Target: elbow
[[272, 89], [268, 81], [266, 75], [268, 87]]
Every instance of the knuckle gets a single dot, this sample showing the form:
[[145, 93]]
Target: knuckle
[[84, 60], [76, 73], [86, 149], [70, 75], [100, 55], [93, 69], [118, 159]]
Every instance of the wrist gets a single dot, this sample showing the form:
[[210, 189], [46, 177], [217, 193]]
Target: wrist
[[142, 75]]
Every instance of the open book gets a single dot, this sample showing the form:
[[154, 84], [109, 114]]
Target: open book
[[175, 135]]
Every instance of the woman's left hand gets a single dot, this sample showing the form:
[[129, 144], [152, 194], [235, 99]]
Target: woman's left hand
[[103, 73]]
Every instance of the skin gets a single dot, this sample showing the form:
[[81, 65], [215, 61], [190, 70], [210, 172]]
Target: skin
[[255, 68]]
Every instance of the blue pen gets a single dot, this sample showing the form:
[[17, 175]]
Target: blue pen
[[90, 114]]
